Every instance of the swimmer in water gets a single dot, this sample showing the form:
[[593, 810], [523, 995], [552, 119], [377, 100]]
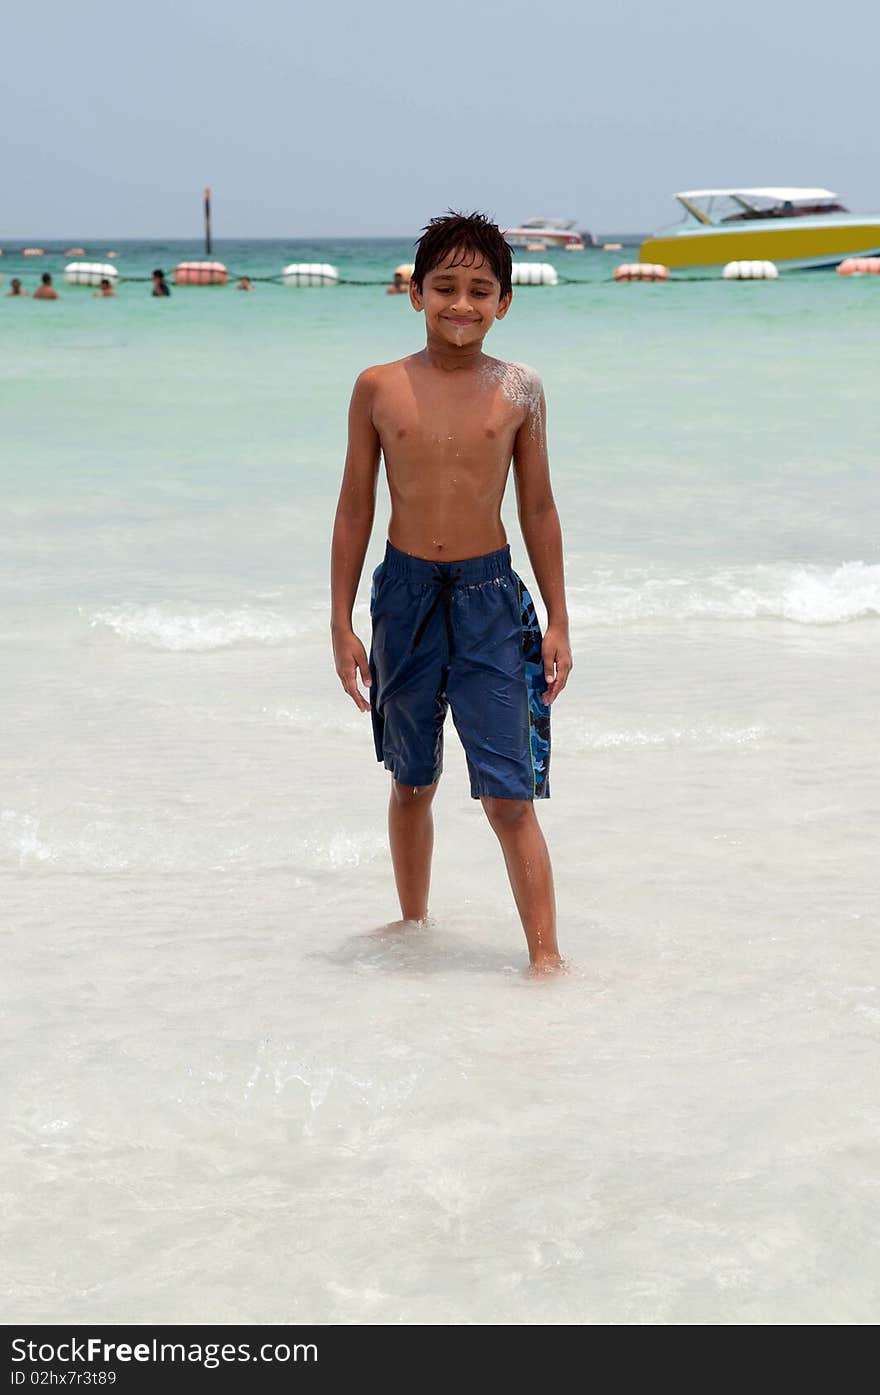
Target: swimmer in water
[[160, 285], [399, 286], [452, 623], [45, 290], [15, 288], [245, 284], [105, 289]]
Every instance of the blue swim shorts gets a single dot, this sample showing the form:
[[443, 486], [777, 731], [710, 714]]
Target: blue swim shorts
[[463, 635]]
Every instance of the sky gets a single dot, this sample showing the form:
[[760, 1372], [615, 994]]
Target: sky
[[368, 119]]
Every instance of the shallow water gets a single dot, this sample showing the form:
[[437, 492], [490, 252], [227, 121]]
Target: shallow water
[[233, 1096]]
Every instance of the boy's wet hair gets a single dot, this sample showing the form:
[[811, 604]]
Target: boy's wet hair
[[472, 235]]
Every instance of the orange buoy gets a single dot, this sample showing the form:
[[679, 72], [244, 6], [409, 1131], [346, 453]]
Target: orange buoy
[[34, 252], [859, 266], [641, 271], [200, 274], [75, 252]]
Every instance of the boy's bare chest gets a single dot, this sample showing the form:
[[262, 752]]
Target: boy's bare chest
[[464, 427]]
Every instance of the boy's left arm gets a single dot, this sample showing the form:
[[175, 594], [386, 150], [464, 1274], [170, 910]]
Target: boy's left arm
[[542, 535]]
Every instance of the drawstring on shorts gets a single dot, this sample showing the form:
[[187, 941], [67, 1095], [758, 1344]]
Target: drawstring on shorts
[[444, 594]]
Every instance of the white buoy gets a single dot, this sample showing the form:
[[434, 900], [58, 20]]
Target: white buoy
[[534, 274], [750, 271], [89, 273], [310, 274]]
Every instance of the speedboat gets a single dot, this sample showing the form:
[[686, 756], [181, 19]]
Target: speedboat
[[553, 232], [796, 228]]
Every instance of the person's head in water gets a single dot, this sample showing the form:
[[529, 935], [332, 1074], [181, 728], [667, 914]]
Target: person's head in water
[[15, 287], [45, 290], [400, 283], [461, 278], [106, 287], [160, 285]]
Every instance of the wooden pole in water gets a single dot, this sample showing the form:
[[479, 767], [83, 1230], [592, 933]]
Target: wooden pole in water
[[208, 221]]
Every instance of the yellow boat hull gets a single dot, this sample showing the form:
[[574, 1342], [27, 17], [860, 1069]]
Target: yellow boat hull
[[814, 245]]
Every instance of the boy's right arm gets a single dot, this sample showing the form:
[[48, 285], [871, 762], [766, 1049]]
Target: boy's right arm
[[351, 535]]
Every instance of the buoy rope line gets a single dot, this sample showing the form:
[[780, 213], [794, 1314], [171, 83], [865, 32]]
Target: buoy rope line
[[232, 276], [279, 281]]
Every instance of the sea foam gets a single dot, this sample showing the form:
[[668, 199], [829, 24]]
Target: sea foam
[[803, 594], [344, 848], [705, 736], [195, 629]]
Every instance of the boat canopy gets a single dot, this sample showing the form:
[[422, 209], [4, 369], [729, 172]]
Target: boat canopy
[[557, 224], [780, 195], [713, 206]]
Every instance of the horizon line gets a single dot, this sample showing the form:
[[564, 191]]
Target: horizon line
[[233, 237]]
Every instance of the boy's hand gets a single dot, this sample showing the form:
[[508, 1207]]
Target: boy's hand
[[556, 654], [350, 657]]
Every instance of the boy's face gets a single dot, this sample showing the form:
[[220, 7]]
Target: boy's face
[[460, 301]]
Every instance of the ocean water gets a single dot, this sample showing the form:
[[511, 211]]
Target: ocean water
[[232, 1096]]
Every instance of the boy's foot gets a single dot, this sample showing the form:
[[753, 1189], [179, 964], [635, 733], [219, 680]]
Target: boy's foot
[[400, 927], [547, 965]]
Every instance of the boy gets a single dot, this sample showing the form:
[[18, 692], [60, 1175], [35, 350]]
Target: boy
[[453, 624]]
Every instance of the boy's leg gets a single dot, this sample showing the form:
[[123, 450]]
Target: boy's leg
[[411, 834], [531, 876]]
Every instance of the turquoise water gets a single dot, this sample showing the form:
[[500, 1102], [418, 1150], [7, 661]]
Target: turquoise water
[[233, 1100], [717, 422]]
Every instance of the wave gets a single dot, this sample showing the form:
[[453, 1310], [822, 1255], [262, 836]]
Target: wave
[[97, 848], [345, 849], [804, 594], [323, 719], [638, 737], [194, 629], [122, 844]]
